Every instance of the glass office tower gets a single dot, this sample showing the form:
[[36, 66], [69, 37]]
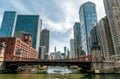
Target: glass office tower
[[77, 38], [8, 24], [88, 18], [30, 24]]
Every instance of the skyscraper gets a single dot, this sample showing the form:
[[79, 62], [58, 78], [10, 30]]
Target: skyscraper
[[45, 38], [88, 18], [105, 37], [112, 8], [94, 35], [58, 55], [55, 49], [72, 51], [94, 38], [8, 24], [77, 38], [65, 51], [30, 24], [42, 51]]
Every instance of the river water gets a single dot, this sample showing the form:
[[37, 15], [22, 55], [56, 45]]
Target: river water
[[59, 76], [59, 73]]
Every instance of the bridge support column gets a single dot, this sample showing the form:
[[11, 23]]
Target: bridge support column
[[2, 51], [99, 65], [68, 66], [97, 59]]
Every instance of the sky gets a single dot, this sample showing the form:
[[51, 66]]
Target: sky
[[58, 16]]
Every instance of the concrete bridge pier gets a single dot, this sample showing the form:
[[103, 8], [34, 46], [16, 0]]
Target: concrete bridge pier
[[85, 67], [100, 65], [105, 67], [68, 66], [97, 60]]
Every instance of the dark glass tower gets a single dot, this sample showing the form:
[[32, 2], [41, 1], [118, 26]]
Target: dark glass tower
[[44, 39], [88, 18], [8, 24], [30, 24], [94, 38]]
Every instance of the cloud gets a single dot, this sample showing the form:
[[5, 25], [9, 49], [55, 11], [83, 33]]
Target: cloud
[[51, 10], [20, 6], [71, 11], [57, 27], [56, 43], [60, 40]]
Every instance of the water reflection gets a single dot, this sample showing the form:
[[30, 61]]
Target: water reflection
[[102, 76], [41, 76], [58, 70], [58, 76], [62, 73]]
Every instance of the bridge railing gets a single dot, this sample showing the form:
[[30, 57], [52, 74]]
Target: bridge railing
[[11, 57], [82, 58]]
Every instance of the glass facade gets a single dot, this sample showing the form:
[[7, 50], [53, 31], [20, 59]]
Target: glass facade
[[30, 24], [77, 38], [8, 24], [88, 18], [94, 36]]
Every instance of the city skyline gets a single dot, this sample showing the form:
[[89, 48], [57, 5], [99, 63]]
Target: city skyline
[[60, 22]]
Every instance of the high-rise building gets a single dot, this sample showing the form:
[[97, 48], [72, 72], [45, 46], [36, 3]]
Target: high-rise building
[[63, 55], [88, 18], [68, 54], [94, 35], [8, 24], [30, 24], [58, 55], [65, 51], [42, 51], [45, 38], [112, 9], [77, 38], [52, 55], [105, 37], [72, 51], [55, 49], [94, 38]]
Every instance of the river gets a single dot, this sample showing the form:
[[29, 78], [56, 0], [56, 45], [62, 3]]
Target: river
[[59, 76], [59, 73]]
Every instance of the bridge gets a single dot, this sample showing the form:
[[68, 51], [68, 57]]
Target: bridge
[[86, 63], [13, 62], [10, 61]]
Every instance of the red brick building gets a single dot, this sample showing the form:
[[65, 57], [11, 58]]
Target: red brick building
[[19, 47]]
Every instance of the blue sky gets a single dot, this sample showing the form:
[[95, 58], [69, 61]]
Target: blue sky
[[58, 16]]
